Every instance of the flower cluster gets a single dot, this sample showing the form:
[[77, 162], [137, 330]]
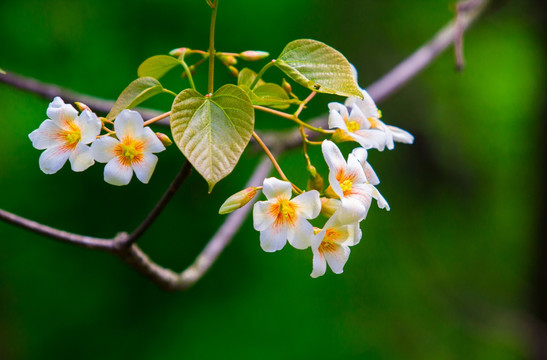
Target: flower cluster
[[67, 135], [346, 201]]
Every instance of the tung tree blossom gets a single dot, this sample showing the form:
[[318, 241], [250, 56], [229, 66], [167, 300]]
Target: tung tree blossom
[[64, 136]]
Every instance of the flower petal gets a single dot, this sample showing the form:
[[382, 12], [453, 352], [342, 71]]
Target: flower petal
[[355, 168], [61, 113], [81, 158], [319, 264], [401, 135], [274, 188], [103, 149], [352, 210], [300, 235], [53, 159], [308, 204], [151, 142], [145, 167], [366, 105], [337, 258], [46, 136], [318, 238], [333, 157], [116, 173], [273, 239], [128, 123], [262, 218], [370, 138], [354, 234], [382, 203], [90, 126]]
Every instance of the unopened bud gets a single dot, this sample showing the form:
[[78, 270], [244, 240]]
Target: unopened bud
[[233, 70], [238, 200], [178, 51], [227, 59], [286, 86], [82, 106], [165, 140], [315, 181], [330, 193], [252, 55], [329, 206]]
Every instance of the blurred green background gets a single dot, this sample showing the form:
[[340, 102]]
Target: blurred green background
[[447, 274]]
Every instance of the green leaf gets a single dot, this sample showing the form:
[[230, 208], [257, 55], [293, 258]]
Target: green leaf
[[138, 91], [271, 95], [246, 77], [318, 67], [157, 66], [212, 131]]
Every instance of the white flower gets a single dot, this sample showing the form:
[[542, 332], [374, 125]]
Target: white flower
[[64, 136], [372, 114], [355, 126], [280, 219], [132, 152], [372, 179], [331, 245], [348, 181]]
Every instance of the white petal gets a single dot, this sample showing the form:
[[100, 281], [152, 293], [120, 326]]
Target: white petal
[[335, 185], [308, 204], [382, 203], [355, 168], [319, 264], [360, 154], [262, 219], [46, 136], [363, 193], [318, 238], [61, 113], [358, 117], [372, 178], [370, 138], [116, 173], [128, 123], [300, 235], [103, 149], [401, 135], [352, 210], [336, 121], [90, 126], [339, 108], [81, 158], [355, 234], [273, 239], [53, 159], [333, 157], [274, 188], [151, 142], [338, 258], [145, 167], [367, 105]]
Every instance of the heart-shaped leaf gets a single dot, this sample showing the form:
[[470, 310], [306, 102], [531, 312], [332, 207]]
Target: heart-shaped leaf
[[157, 66], [135, 93], [212, 131], [318, 67]]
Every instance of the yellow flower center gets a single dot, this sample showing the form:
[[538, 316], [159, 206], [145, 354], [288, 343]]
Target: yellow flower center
[[284, 212], [72, 137], [129, 151], [353, 126], [346, 186]]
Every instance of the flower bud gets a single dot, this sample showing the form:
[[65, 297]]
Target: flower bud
[[286, 86], [329, 206], [315, 181], [331, 194], [179, 51], [238, 200], [165, 140], [252, 55], [227, 59], [234, 71], [82, 106]]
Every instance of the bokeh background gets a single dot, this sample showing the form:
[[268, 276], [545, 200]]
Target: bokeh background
[[453, 271]]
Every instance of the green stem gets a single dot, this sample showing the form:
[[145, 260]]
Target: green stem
[[212, 48], [257, 78], [170, 92], [188, 74]]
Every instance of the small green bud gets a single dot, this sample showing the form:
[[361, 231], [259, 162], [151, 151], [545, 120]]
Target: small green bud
[[329, 206], [238, 200], [234, 71], [227, 59], [315, 181], [165, 140], [286, 86], [252, 55]]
